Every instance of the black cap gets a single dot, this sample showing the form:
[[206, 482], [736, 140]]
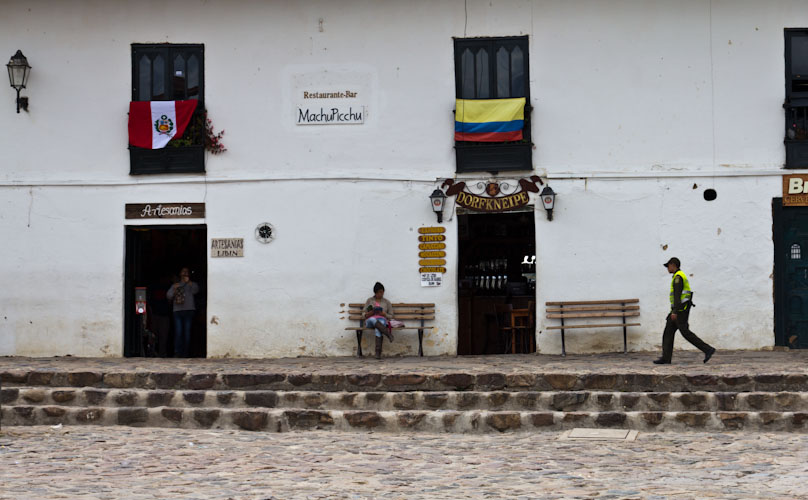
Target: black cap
[[673, 260]]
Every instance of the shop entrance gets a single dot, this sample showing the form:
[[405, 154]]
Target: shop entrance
[[154, 257], [790, 275], [497, 285]]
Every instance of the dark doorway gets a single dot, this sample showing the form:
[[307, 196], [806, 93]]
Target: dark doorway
[[790, 275], [154, 257], [497, 285]]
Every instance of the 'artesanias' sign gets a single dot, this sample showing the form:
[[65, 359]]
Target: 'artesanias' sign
[[493, 196], [165, 210]]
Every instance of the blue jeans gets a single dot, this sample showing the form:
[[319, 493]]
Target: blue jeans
[[371, 323], [182, 333]]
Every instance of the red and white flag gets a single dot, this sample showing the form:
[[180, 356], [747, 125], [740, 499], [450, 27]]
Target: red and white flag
[[153, 123]]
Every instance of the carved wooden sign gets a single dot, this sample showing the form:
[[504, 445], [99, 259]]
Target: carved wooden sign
[[493, 196], [165, 210]]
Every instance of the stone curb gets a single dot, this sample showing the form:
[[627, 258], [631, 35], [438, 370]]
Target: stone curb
[[597, 401], [281, 420], [532, 381]]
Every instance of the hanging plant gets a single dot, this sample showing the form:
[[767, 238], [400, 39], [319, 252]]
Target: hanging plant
[[200, 133], [213, 141]]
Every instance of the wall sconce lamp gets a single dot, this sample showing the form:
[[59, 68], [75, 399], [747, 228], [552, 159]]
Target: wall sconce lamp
[[436, 199], [548, 200], [18, 71]]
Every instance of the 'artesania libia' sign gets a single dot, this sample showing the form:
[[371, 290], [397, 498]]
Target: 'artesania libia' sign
[[492, 196], [165, 210], [227, 247]]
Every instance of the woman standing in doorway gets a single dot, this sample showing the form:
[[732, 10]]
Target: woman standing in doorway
[[181, 294]]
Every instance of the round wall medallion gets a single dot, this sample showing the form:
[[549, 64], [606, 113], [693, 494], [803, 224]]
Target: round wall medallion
[[265, 232]]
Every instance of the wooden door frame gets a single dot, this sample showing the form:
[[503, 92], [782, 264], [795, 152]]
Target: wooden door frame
[[779, 291], [129, 290]]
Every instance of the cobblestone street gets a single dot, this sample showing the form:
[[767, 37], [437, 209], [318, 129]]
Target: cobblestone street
[[115, 463]]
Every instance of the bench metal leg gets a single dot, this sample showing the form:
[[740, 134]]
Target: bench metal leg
[[563, 348], [625, 343], [421, 343], [359, 343]]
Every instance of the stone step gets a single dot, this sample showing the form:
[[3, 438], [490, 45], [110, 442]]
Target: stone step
[[280, 420], [565, 401], [351, 382]]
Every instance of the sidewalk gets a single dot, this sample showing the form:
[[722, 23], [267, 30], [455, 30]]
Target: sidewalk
[[724, 363]]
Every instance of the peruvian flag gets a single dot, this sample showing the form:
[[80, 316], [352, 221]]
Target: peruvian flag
[[153, 123]]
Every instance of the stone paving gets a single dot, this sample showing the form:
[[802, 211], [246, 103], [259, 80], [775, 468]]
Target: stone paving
[[723, 363], [116, 463]]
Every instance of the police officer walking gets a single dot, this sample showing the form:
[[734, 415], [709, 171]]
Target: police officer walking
[[681, 302]]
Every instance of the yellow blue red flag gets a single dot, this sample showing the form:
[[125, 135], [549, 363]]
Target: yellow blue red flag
[[489, 120]]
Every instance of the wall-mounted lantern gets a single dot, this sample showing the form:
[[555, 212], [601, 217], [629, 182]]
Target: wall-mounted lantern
[[18, 70], [436, 199], [548, 200]]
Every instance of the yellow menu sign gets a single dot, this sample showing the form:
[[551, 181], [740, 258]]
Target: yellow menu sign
[[431, 237], [431, 246]]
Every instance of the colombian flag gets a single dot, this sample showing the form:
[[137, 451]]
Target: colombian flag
[[489, 120]]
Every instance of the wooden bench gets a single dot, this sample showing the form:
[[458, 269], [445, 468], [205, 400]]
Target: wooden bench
[[590, 309], [413, 315]]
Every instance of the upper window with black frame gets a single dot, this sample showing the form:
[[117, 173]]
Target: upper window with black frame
[[492, 116], [796, 103], [171, 72]]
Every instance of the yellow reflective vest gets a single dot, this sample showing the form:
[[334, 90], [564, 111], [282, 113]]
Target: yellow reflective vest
[[687, 293]]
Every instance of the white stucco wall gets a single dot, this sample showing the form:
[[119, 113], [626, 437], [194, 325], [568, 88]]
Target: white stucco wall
[[634, 102], [614, 235]]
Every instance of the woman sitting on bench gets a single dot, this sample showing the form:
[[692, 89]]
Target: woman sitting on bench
[[378, 313]]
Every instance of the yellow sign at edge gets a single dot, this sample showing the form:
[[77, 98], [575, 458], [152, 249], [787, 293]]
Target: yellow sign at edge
[[434, 253], [431, 246], [432, 270], [431, 237], [432, 262], [431, 230]]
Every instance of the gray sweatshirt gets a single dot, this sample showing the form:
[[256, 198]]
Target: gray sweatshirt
[[191, 289]]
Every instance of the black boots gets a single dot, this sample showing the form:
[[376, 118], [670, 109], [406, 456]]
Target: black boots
[[384, 331], [379, 341]]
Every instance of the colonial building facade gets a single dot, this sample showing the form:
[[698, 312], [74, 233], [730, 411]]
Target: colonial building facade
[[663, 128]]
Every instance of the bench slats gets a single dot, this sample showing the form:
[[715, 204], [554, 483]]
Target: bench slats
[[397, 316], [593, 308], [412, 311], [593, 315], [356, 328], [604, 325], [400, 304], [589, 302], [396, 311]]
